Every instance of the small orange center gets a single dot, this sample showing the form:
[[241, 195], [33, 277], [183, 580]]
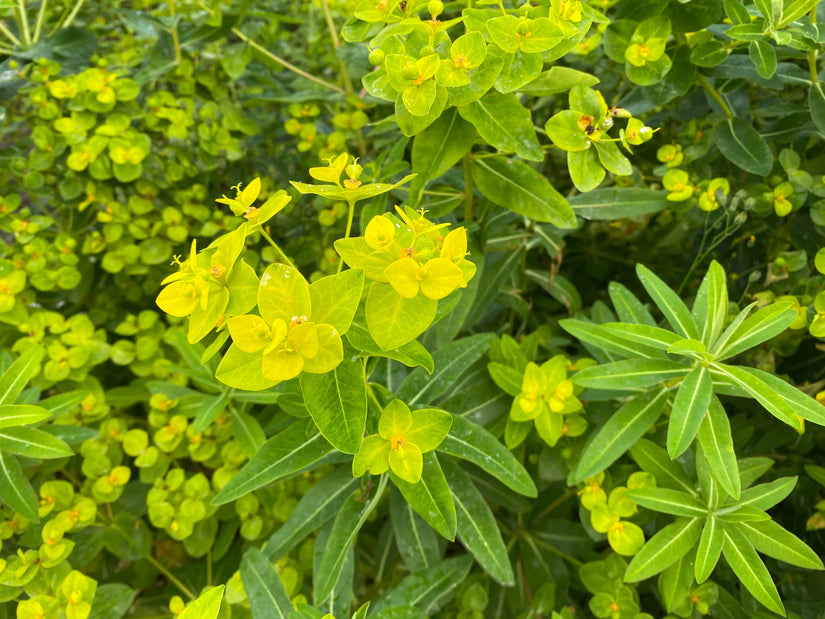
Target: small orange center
[[397, 441], [408, 252]]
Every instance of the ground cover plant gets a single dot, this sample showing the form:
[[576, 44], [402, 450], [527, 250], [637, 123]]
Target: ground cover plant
[[404, 308]]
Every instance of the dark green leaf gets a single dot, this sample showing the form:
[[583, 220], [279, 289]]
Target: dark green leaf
[[417, 542], [504, 124], [264, 589], [473, 443], [112, 601], [742, 145], [422, 590], [667, 546], [477, 527], [749, 569], [431, 497], [15, 489]]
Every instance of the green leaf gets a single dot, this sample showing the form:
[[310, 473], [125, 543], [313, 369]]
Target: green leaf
[[18, 374], [264, 589], [411, 354], [558, 79], [393, 320], [626, 426], [616, 203], [802, 404], [629, 374], [15, 489], [21, 415], [654, 460], [709, 54], [606, 339], [473, 443], [710, 547], [477, 527], [759, 390], [207, 606], [335, 298], [508, 379], [320, 503], [654, 337], [749, 569], [710, 308], [673, 308], [742, 145], [669, 501], [128, 538], [112, 601], [416, 541], [612, 159], [285, 454], [247, 431], [504, 124], [760, 327], [628, 306], [438, 148], [816, 103], [517, 187], [450, 362], [763, 56], [33, 443], [337, 403], [717, 445], [345, 527], [689, 409], [209, 412], [431, 497], [64, 402], [771, 539], [675, 583], [765, 496], [666, 547], [585, 170], [736, 12], [517, 69], [422, 590]]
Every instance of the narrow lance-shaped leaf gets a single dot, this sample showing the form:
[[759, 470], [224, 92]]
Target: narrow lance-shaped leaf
[[283, 455], [15, 489], [710, 547], [710, 308], [654, 460], [21, 414], [607, 340], [264, 589], [689, 409], [765, 496], [416, 540], [750, 570], [717, 445], [207, 606], [473, 443], [771, 539], [760, 391], [33, 443], [647, 335], [802, 404], [431, 497], [18, 374], [477, 527], [347, 523], [673, 308], [420, 591], [320, 503], [629, 374], [626, 426], [762, 326], [667, 546], [668, 501]]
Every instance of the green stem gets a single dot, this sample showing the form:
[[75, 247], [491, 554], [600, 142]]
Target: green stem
[[171, 577], [468, 189], [350, 217], [286, 64], [209, 568], [280, 252], [812, 53], [6, 50], [73, 14], [23, 21], [39, 23], [336, 43], [175, 37], [9, 35], [714, 94]]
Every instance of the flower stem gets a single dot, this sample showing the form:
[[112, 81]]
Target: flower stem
[[171, 577], [23, 21], [350, 217], [714, 94], [280, 252], [812, 53], [9, 35], [39, 23], [286, 64]]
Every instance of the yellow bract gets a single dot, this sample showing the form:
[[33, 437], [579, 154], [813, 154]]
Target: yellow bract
[[380, 233], [287, 359], [435, 279], [252, 333]]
